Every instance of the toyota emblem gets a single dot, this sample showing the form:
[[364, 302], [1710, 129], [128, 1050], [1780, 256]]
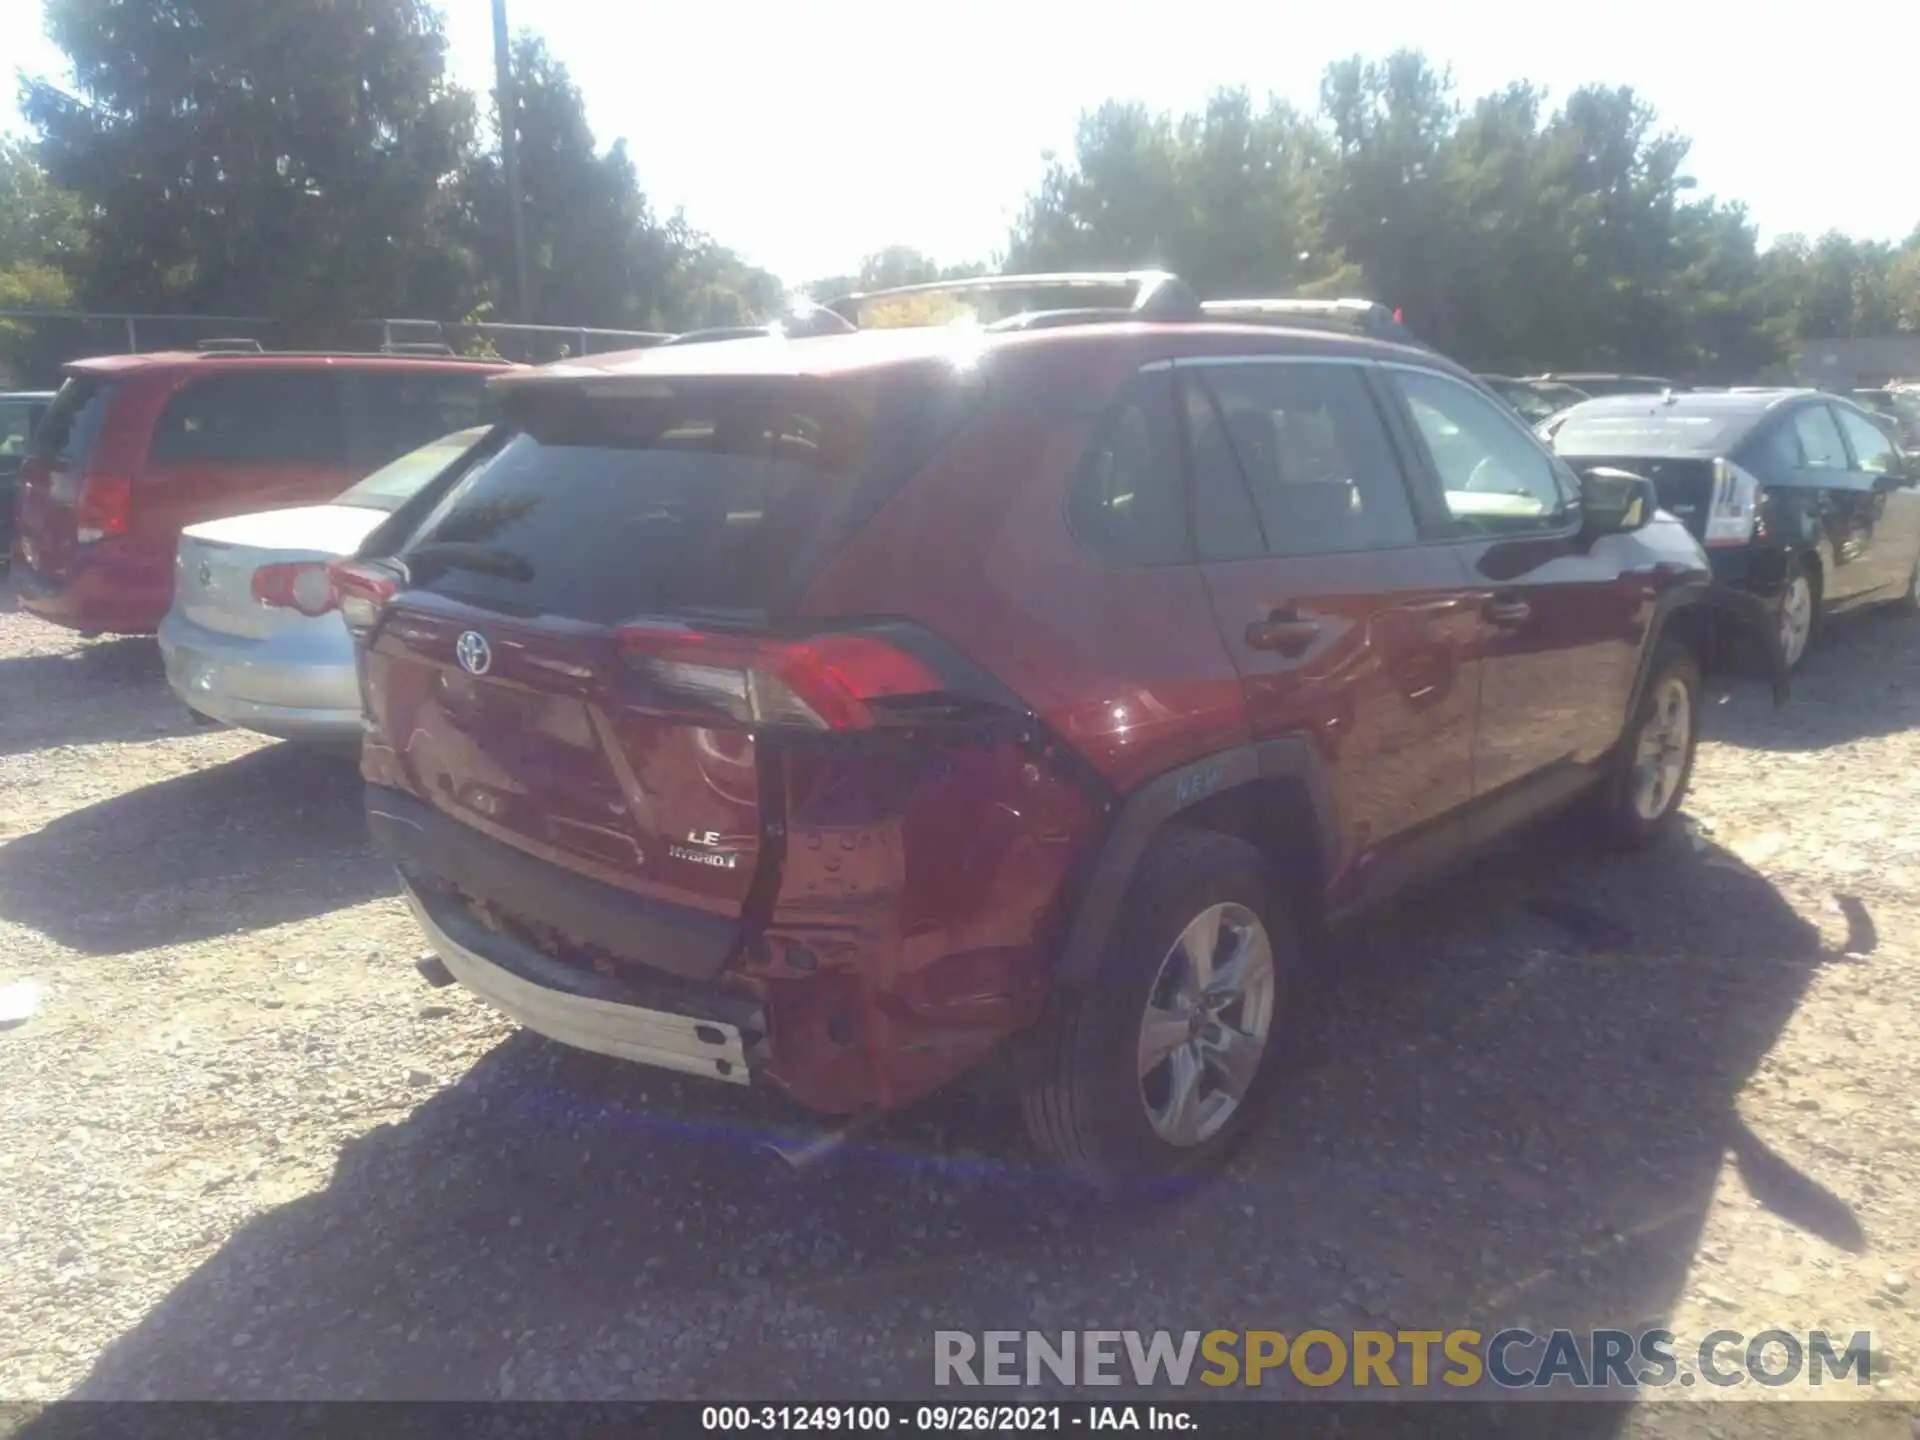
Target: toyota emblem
[[474, 653]]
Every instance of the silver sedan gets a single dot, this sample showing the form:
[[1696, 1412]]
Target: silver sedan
[[255, 638]]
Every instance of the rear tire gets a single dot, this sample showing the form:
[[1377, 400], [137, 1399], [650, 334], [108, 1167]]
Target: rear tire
[[1798, 611], [1156, 1068], [1640, 801]]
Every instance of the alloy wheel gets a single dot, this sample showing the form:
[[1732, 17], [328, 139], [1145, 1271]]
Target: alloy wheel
[[1796, 617], [1206, 1024], [1660, 760]]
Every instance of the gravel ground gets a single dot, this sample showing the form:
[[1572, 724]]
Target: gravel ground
[[246, 1152]]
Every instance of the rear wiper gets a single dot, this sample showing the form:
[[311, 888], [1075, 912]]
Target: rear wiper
[[461, 555]]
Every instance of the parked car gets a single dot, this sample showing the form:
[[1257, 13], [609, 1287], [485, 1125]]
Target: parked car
[[1596, 384], [20, 413], [1533, 400], [254, 636], [833, 713], [1799, 496], [137, 447], [1897, 408]]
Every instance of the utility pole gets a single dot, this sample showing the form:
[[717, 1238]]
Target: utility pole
[[510, 153]]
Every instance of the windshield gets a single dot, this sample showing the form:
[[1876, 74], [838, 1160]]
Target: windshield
[[1642, 433], [391, 486]]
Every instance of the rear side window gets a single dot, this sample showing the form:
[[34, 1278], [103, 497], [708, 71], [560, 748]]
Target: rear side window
[[1125, 503], [73, 422], [704, 496], [400, 411], [1305, 445], [1774, 452], [1819, 438], [268, 417]]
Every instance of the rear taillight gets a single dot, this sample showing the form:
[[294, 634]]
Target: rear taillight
[[306, 586], [362, 591], [103, 507], [822, 682], [1735, 508]]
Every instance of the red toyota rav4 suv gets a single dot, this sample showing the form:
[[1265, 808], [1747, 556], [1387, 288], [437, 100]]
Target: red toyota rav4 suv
[[137, 447], [825, 712]]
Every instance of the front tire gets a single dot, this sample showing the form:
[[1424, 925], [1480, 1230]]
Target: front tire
[[1652, 768], [1157, 1067]]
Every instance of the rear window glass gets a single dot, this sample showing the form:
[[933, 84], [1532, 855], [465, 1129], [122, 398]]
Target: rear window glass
[[397, 482], [72, 423], [1640, 433], [709, 496], [267, 417]]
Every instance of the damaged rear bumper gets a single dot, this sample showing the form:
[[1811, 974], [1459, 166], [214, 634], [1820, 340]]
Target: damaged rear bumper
[[716, 1036]]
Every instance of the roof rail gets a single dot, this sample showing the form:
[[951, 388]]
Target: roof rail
[[235, 345], [416, 347], [1151, 295], [391, 353], [719, 332], [1362, 317]]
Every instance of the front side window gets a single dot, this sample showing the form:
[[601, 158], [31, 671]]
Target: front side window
[[1124, 503], [1873, 452], [1495, 477], [1819, 437], [1291, 459]]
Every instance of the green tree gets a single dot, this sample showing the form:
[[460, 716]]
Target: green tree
[[41, 237], [595, 257], [283, 157], [1226, 198]]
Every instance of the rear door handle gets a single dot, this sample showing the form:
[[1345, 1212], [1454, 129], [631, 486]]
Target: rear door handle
[[1283, 631], [1506, 611]]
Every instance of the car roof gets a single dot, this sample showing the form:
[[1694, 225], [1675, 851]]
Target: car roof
[[824, 356], [270, 360], [1572, 377], [1697, 402]]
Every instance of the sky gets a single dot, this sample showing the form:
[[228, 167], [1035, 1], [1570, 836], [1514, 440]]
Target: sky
[[808, 135]]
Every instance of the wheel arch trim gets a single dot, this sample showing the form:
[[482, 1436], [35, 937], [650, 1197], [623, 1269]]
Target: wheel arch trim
[[1161, 801]]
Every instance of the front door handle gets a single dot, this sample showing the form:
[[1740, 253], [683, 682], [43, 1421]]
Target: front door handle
[[1283, 631], [1500, 611]]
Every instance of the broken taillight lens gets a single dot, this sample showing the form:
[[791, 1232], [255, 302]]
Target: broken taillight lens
[[820, 682], [362, 590]]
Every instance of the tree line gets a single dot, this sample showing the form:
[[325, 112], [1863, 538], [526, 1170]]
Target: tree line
[[312, 160]]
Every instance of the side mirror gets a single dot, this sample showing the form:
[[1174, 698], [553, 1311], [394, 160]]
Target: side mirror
[[1613, 502]]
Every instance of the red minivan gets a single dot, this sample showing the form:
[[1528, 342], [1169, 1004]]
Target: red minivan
[[137, 447]]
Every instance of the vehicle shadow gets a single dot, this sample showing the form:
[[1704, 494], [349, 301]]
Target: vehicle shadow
[[273, 836], [56, 699], [1497, 1114], [1861, 678]]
